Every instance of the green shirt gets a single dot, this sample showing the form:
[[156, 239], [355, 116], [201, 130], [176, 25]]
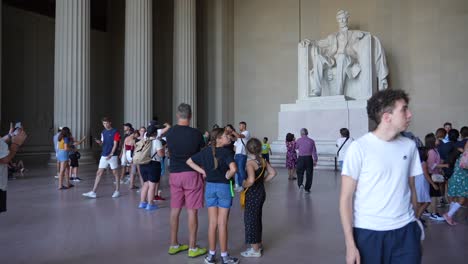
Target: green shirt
[[265, 148]]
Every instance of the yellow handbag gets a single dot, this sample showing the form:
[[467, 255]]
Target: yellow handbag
[[242, 194]]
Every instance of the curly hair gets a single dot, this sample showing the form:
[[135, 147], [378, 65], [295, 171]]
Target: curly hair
[[289, 137], [384, 102]]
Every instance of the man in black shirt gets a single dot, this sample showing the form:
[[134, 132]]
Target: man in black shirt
[[186, 184]]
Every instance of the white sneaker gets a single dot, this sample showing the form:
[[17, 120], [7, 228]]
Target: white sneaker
[[116, 194], [90, 194], [251, 253], [56, 176]]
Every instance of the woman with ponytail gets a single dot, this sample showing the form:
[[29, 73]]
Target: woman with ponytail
[[217, 166]]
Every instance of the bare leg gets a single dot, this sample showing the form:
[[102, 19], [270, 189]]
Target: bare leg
[[223, 216], [193, 226], [61, 174], [144, 192], [212, 226], [139, 173], [174, 218], [132, 178], [117, 179], [98, 178], [156, 189], [150, 195], [421, 208]]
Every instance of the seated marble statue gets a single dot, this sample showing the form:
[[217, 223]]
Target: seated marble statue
[[336, 59]]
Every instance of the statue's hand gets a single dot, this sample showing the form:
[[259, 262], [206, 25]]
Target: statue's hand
[[305, 42]]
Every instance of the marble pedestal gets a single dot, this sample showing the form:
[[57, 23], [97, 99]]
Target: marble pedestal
[[323, 117]]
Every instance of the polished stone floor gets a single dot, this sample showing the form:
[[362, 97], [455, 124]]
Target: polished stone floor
[[44, 225]]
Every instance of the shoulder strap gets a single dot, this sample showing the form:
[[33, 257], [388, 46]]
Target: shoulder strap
[[260, 175], [338, 152]]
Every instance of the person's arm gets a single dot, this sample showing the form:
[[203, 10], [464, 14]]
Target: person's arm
[[271, 172], [348, 187], [314, 153], [195, 167], [99, 141], [76, 143], [17, 141], [114, 147], [428, 177], [232, 170], [414, 197], [165, 129]]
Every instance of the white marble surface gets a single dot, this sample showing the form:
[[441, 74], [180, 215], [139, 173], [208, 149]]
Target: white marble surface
[[347, 62]]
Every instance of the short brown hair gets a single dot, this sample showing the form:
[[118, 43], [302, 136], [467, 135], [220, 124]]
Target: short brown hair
[[105, 119], [384, 102]]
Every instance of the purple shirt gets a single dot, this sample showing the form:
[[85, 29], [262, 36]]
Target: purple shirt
[[306, 147]]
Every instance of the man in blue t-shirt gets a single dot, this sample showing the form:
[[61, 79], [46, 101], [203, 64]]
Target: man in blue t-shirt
[[109, 142]]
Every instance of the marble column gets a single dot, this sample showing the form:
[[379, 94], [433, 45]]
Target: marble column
[[223, 61], [1, 3], [138, 91], [72, 62], [185, 70]]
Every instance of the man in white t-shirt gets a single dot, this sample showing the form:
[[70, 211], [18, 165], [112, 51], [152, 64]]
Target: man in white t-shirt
[[342, 144], [241, 154], [378, 196]]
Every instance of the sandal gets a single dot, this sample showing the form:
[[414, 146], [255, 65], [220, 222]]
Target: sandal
[[70, 186], [63, 188]]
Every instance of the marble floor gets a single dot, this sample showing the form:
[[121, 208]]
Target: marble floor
[[44, 225]]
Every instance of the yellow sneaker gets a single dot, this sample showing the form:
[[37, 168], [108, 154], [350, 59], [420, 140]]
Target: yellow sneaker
[[175, 250], [193, 253]]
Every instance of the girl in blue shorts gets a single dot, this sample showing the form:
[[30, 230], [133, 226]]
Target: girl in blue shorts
[[217, 165]]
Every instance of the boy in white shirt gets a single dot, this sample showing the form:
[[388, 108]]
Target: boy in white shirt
[[378, 195]]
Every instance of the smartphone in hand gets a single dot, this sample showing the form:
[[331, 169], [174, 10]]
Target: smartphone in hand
[[18, 127]]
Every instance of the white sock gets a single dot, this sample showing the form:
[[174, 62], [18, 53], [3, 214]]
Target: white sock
[[212, 252], [453, 209], [224, 254], [193, 249], [177, 246]]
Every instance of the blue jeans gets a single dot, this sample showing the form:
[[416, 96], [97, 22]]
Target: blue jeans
[[240, 162], [163, 166]]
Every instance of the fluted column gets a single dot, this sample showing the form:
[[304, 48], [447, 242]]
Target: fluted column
[[1, 3], [185, 70], [138, 62], [71, 80]]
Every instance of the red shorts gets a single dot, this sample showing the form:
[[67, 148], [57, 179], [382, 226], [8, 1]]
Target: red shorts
[[186, 190]]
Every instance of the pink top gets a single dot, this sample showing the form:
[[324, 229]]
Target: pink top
[[433, 159]]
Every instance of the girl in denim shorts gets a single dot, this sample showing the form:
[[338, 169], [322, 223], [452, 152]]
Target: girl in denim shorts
[[217, 165]]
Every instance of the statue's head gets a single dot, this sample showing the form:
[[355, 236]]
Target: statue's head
[[342, 18]]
